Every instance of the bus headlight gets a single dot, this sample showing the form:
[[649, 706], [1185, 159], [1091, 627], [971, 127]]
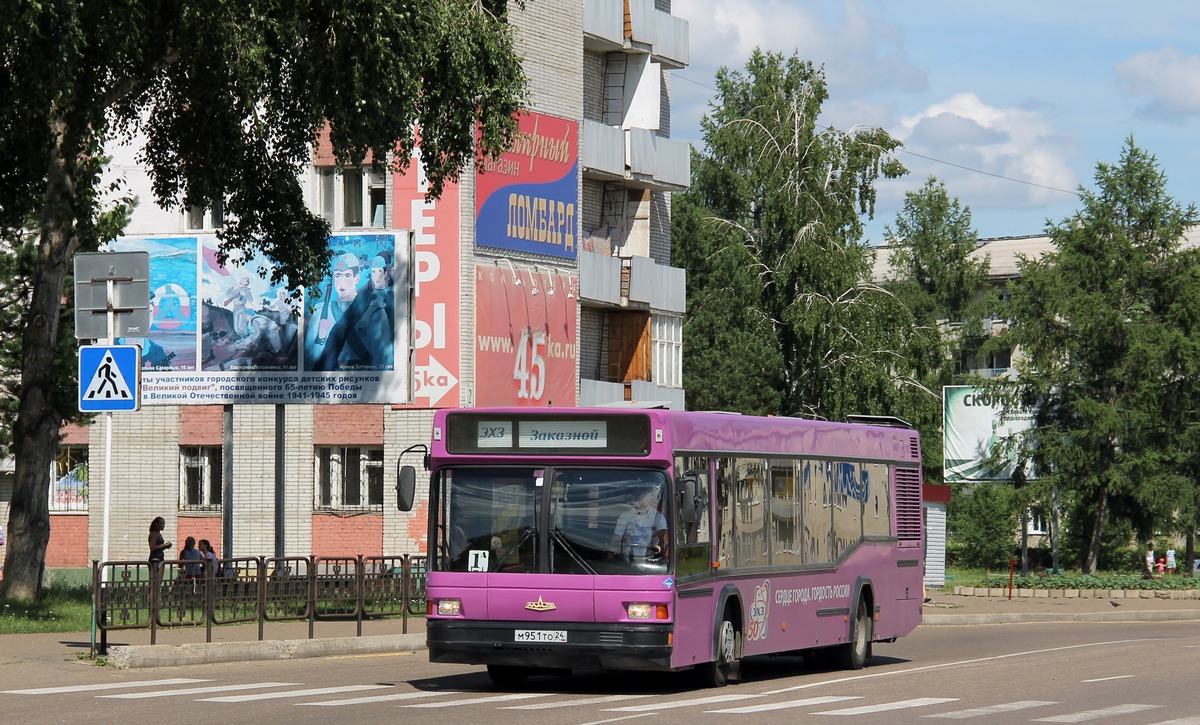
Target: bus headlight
[[646, 611], [449, 607]]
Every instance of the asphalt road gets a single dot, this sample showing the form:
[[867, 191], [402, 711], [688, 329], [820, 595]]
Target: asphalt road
[[1124, 673]]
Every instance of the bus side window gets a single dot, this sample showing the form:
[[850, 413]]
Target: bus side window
[[692, 522]]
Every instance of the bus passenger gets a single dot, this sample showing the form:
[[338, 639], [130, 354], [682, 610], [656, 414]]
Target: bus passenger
[[642, 531]]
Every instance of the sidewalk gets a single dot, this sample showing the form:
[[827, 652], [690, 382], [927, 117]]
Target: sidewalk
[[289, 640]]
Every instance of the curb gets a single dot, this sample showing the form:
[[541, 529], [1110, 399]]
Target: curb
[[204, 653], [1183, 615]]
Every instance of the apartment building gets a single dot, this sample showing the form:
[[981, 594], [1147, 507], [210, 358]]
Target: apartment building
[[544, 279]]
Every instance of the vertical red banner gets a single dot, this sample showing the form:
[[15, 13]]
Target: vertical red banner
[[526, 341], [436, 285]]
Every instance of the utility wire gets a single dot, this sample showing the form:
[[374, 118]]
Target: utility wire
[[923, 156]]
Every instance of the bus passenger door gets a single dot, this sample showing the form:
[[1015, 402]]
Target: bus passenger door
[[695, 583]]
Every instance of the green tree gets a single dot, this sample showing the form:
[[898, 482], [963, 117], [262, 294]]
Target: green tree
[[982, 521], [782, 317], [933, 274], [1097, 322], [229, 98]]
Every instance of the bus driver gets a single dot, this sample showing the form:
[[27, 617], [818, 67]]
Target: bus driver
[[642, 531]]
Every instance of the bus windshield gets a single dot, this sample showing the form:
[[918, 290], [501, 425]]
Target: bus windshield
[[567, 520]]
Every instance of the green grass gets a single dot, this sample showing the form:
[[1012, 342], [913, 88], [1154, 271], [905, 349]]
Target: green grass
[[66, 606]]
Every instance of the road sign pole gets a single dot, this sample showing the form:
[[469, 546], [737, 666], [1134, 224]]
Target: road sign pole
[[112, 325]]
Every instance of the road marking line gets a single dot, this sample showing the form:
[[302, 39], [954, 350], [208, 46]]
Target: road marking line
[[373, 698], [573, 703], [479, 700], [785, 705], [680, 703], [1088, 715], [993, 709], [106, 686], [1106, 679], [199, 690], [293, 693], [889, 706], [1194, 720], [944, 665]]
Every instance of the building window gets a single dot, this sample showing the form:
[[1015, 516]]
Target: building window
[[349, 478], [1036, 523], [197, 217], [667, 334], [200, 477], [69, 479], [352, 197]]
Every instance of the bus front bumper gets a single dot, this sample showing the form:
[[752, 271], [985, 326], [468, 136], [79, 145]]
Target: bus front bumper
[[565, 645]]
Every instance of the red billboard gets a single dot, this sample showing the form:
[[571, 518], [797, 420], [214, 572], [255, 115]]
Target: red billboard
[[436, 285], [526, 341]]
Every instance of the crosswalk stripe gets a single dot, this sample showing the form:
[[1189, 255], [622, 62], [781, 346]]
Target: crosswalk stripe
[[106, 686], [373, 698], [887, 706], [1087, 715], [198, 690], [680, 703], [993, 709], [481, 700], [293, 693], [785, 705], [573, 703]]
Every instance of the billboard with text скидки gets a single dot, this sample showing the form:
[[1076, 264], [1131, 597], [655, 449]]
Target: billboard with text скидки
[[223, 333]]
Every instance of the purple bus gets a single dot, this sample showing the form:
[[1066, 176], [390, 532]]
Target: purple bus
[[666, 540]]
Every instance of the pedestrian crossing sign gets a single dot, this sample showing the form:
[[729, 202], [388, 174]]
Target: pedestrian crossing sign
[[110, 378]]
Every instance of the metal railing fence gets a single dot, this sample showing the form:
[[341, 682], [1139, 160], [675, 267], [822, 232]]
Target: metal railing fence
[[176, 593]]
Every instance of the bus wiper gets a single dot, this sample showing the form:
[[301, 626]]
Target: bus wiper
[[525, 536], [561, 538]]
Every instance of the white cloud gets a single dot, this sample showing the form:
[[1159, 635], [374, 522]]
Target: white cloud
[[1168, 79], [1014, 143], [860, 53]]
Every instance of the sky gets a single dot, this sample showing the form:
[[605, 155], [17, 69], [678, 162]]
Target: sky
[[1012, 104]]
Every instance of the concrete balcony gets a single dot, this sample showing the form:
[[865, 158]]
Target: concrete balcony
[[661, 34], [604, 25], [657, 286], [602, 151], [637, 156], [657, 163]]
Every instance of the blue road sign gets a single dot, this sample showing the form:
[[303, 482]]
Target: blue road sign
[[110, 378]]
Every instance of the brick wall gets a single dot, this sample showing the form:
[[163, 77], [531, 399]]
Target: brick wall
[[201, 425], [334, 535], [348, 425], [68, 545], [199, 527]]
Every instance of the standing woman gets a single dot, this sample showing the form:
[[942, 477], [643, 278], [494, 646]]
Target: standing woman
[[158, 547]]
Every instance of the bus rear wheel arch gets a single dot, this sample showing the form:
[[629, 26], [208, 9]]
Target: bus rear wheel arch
[[854, 654]]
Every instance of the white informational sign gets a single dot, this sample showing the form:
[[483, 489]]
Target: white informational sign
[[224, 332], [972, 429]]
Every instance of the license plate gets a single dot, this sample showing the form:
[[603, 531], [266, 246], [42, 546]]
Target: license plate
[[539, 635]]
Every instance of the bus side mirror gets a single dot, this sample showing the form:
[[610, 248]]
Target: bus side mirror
[[406, 488], [689, 500]]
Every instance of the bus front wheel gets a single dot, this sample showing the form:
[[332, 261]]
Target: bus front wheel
[[718, 672], [507, 676], [853, 655]]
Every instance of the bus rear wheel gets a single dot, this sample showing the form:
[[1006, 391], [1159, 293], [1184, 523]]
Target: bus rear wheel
[[507, 676], [717, 673], [853, 655]]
